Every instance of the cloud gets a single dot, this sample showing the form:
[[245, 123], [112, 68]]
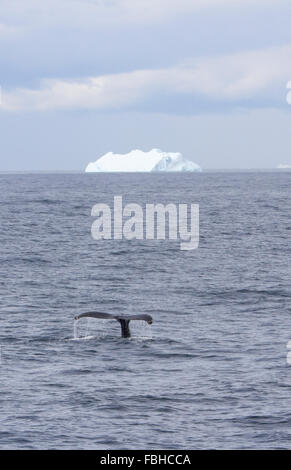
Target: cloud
[[234, 79], [7, 32], [161, 9], [288, 97], [101, 12]]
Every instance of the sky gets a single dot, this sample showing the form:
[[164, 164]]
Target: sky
[[207, 78]]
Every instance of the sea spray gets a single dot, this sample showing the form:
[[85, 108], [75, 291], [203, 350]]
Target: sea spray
[[140, 330], [76, 329], [87, 327]]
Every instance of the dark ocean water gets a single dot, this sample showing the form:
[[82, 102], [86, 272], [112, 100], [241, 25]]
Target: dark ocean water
[[211, 372]]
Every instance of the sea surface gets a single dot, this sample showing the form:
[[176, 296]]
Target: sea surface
[[212, 370]]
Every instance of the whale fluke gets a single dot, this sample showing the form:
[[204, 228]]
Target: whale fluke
[[96, 315], [122, 319]]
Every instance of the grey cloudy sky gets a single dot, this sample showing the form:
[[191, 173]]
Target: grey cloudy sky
[[205, 77]]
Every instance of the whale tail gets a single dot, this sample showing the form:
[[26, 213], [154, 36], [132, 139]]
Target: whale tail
[[122, 319]]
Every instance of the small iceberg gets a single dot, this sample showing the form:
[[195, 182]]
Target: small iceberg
[[138, 161], [284, 166]]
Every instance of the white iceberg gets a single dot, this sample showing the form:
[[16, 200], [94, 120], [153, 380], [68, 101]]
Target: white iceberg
[[139, 161], [284, 166]]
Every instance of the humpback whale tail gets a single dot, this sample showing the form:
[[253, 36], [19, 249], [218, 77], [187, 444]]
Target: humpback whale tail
[[122, 319]]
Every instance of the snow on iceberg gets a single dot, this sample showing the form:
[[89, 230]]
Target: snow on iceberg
[[139, 161]]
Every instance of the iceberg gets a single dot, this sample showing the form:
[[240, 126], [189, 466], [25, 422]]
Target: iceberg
[[284, 166], [139, 161]]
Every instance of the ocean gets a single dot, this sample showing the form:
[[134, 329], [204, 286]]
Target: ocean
[[211, 372]]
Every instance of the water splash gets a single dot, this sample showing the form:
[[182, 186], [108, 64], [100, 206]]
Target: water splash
[[83, 331], [140, 330], [87, 327], [76, 329]]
